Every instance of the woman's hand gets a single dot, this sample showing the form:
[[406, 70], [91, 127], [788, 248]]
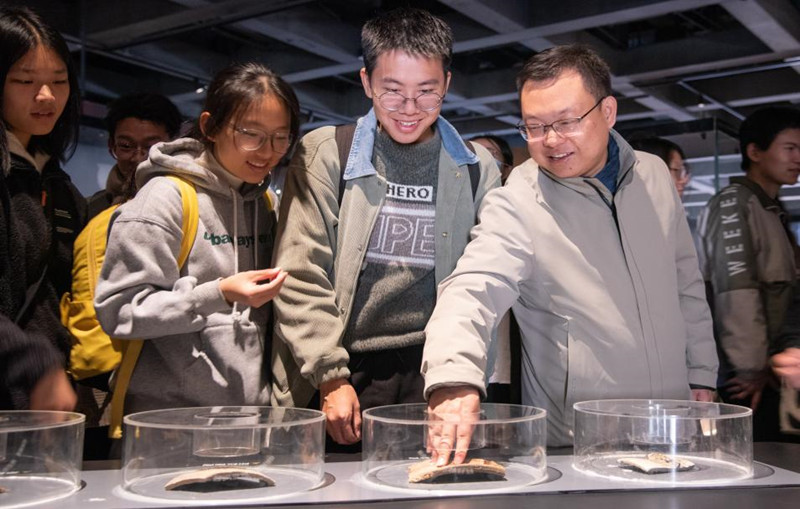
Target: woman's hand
[[253, 287]]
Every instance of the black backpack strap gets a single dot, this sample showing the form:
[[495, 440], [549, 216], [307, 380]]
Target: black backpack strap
[[344, 139], [474, 177], [474, 174]]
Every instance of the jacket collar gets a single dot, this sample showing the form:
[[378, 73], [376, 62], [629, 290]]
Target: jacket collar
[[37, 160], [359, 162], [763, 198], [116, 181]]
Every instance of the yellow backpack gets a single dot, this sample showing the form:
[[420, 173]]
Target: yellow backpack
[[93, 351]]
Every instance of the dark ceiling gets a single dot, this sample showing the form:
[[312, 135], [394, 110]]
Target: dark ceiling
[[674, 61]]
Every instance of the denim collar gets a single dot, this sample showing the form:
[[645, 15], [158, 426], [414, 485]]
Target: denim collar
[[359, 162]]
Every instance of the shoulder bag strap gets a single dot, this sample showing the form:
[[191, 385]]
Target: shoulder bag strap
[[191, 217]]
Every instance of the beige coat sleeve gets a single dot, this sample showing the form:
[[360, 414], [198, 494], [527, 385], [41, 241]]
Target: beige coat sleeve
[[475, 297], [307, 319]]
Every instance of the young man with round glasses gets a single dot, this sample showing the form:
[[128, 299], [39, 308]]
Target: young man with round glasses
[[588, 244], [365, 243], [135, 123]]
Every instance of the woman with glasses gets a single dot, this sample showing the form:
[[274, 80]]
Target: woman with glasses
[[203, 322], [671, 154], [500, 150]]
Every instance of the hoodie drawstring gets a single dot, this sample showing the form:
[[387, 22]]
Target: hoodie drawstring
[[255, 233], [235, 312]]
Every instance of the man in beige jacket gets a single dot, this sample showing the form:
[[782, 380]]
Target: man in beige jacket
[[588, 244]]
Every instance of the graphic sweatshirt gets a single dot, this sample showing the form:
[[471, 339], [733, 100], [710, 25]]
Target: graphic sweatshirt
[[200, 351]]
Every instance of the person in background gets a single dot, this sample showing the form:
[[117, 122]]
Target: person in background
[[500, 150], [786, 364], [747, 256], [135, 123], [588, 244], [204, 322], [671, 154], [785, 361], [366, 243], [43, 210]]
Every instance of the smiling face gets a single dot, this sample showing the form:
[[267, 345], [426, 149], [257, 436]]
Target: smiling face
[[268, 115], [411, 76], [35, 93], [132, 139], [582, 154]]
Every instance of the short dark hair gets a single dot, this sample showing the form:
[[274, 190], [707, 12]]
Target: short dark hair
[[145, 106], [763, 126], [238, 86], [656, 146], [550, 63], [413, 31], [505, 148], [21, 30]]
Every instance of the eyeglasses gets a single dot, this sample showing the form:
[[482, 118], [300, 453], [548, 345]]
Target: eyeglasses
[[565, 127], [251, 140], [127, 149], [393, 101], [681, 173], [501, 165]]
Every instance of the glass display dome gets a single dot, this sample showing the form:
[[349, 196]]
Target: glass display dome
[[40, 456], [506, 448], [223, 453], [663, 441]]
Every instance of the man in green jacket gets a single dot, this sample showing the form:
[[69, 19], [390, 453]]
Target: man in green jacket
[[366, 242], [747, 259]]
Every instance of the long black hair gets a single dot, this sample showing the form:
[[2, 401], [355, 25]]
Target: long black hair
[[238, 86], [22, 30]]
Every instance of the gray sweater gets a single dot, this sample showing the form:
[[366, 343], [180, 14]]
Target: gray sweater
[[397, 288]]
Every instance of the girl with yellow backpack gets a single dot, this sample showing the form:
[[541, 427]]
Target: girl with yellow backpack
[[194, 331]]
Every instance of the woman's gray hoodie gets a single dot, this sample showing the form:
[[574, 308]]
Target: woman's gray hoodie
[[201, 351]]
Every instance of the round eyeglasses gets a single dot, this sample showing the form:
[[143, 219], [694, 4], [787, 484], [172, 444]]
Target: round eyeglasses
[[394, 101], [565, 127], [130, 150], [682, 173], [251, 140]]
